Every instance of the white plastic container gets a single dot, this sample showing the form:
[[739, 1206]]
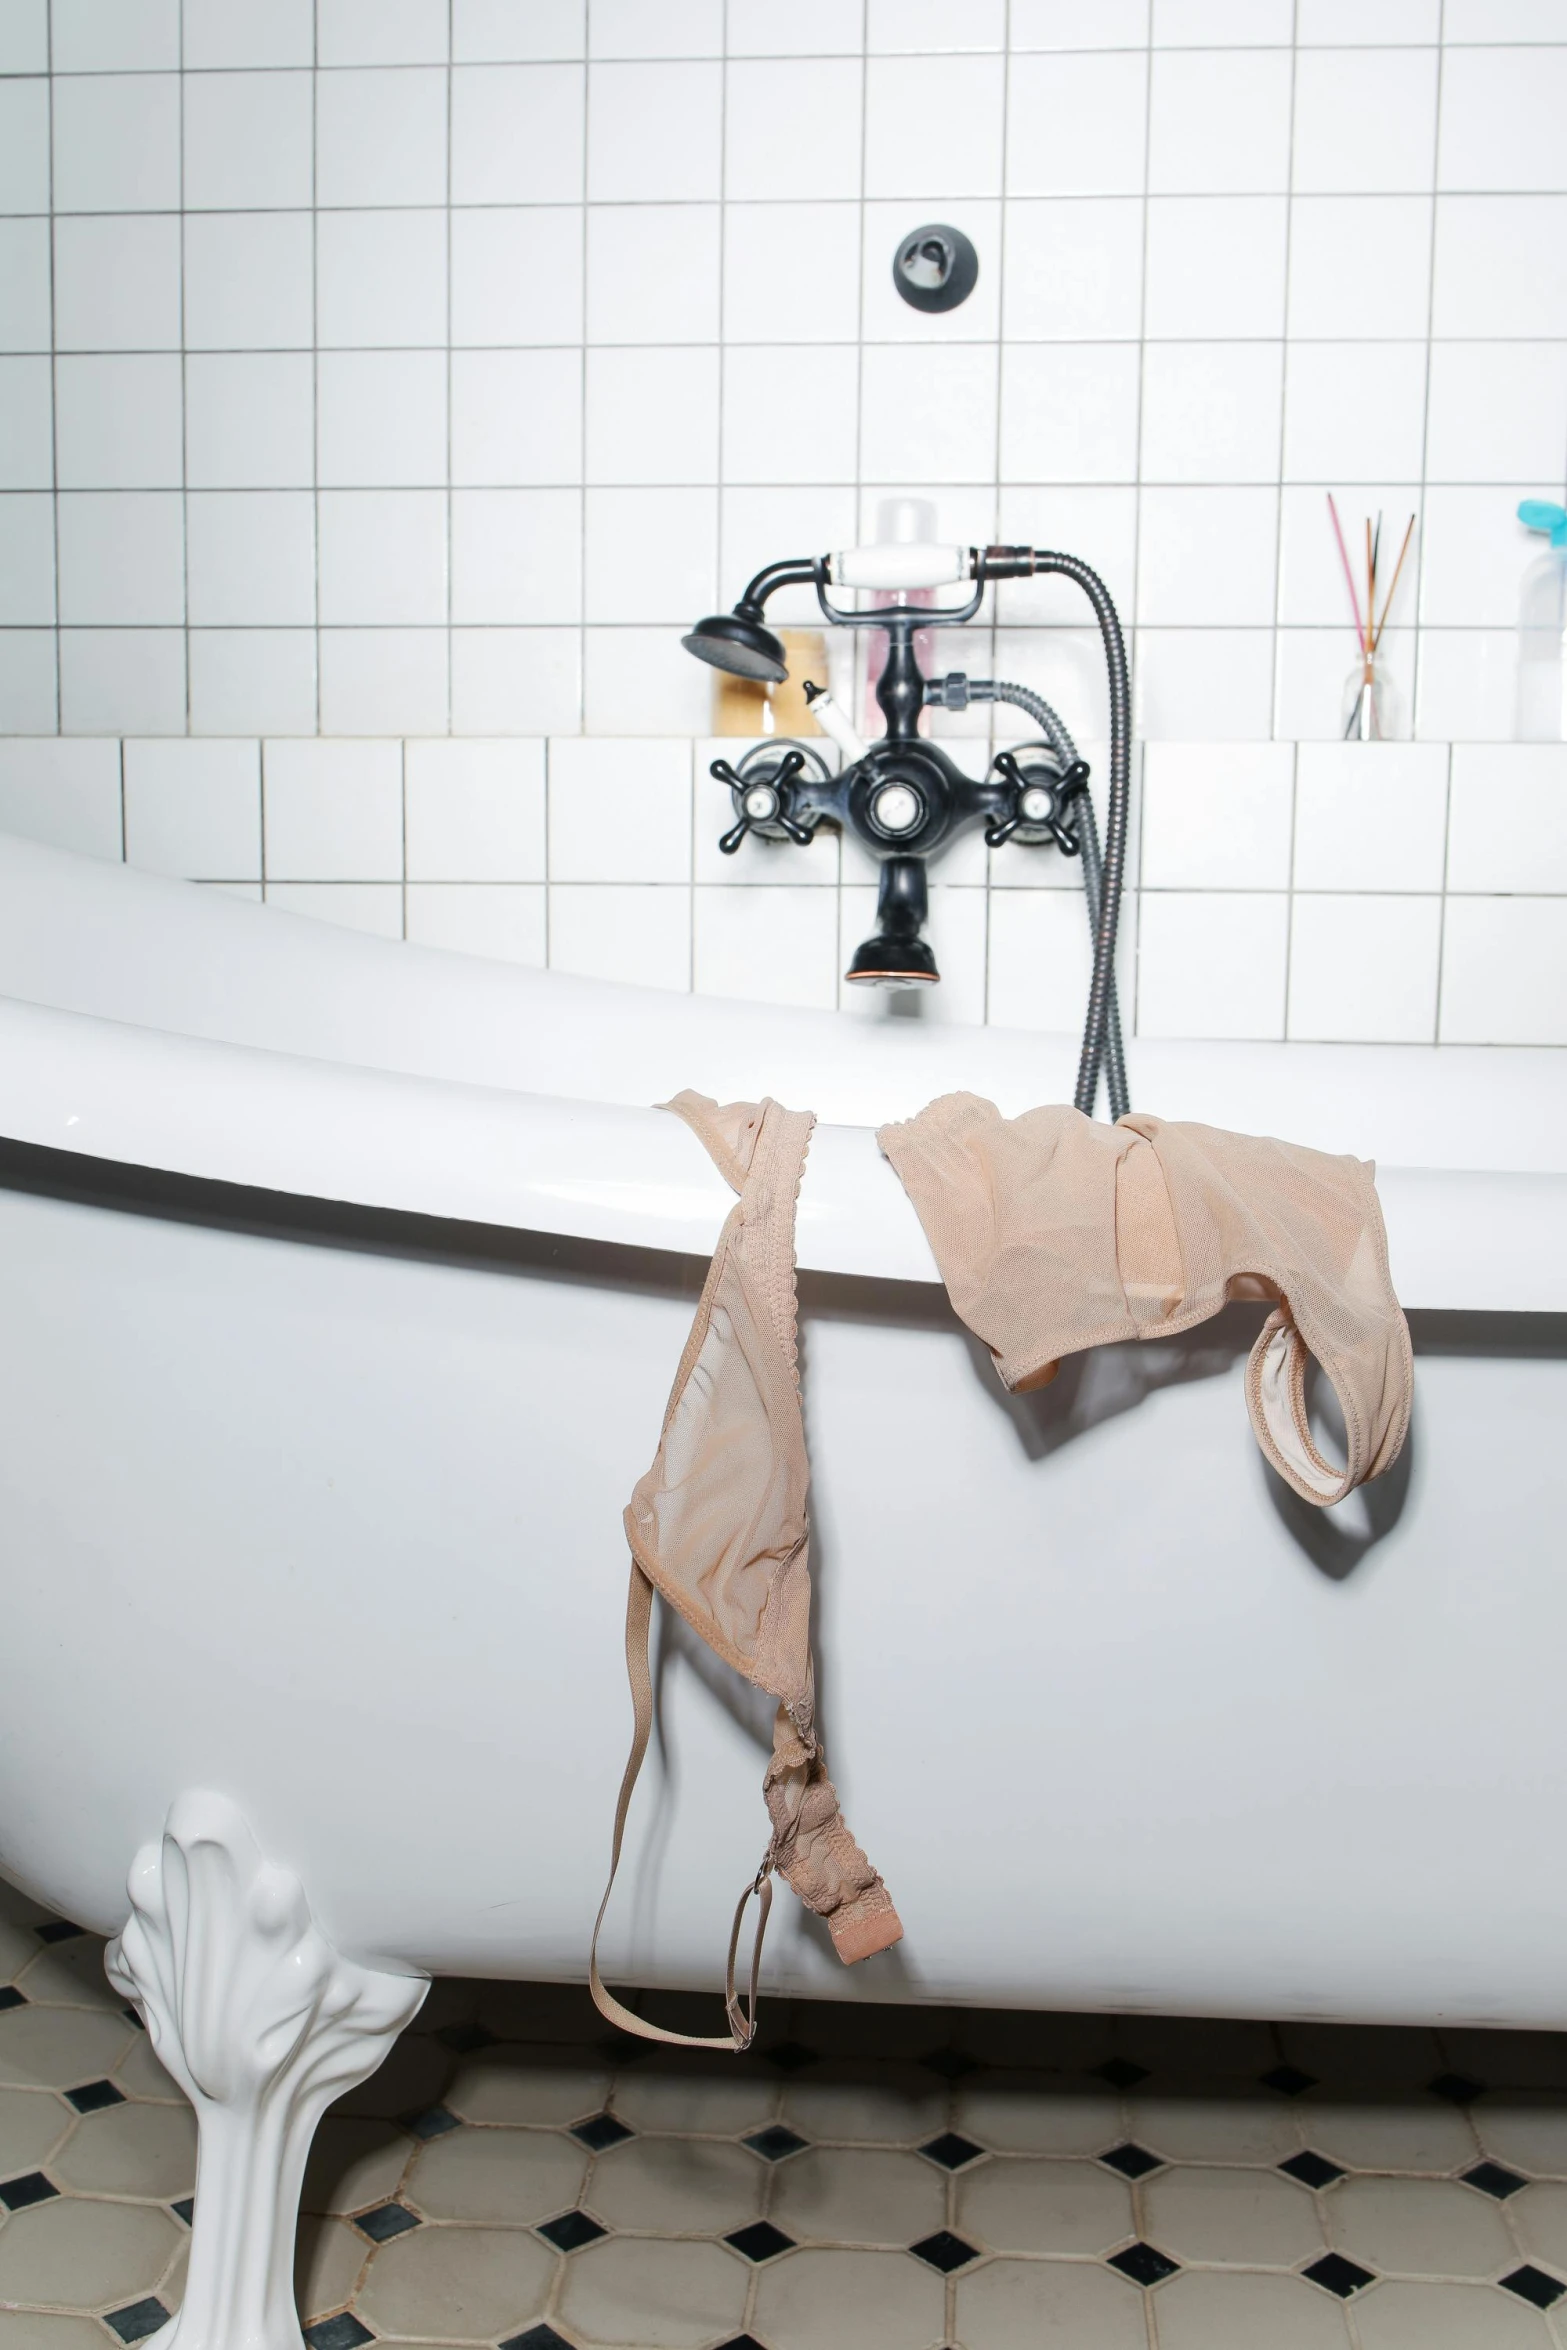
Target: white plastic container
[[1542, 630]]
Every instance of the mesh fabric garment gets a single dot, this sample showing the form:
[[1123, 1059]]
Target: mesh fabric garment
[[1054, 1232]]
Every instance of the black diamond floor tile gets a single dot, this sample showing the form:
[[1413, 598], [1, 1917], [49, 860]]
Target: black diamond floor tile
[[1121, 2073], [1289, 2080], [60, 1930], [789, 2056], [465, 2038], [539, 2337], [1492, 2179], [1312, 2170], [1534, 2286], [622, 2047], [760, 2241], [434, 2122], [1457, 2088], [343, 2332], [385, 2222], [736, 2342], [93, 2096], [32, 2187], [951, 2063], [1337, 2275], [944, 2251], [776, 2142], [1144, 2264], [137, 2319], [599, 2131], [185, 2209], [572, 2230], [1132, 2161], [951, 2150], [10, 1997]]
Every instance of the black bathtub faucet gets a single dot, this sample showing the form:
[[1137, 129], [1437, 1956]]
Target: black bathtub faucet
[[903, 796]]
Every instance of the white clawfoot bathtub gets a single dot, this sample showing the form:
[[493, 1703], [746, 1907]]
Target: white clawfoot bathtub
[[343, 1286]]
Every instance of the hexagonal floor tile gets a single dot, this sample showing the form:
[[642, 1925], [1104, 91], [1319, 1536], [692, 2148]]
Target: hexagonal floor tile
[[354, 2162], [1448, 2317], [32, 2123], [457, 2284], [1029, 2113], [519, 2176], [684, 2186], [859, 2195], [527, 2085], [52, 2047], [1419, 2227], [821, 2299], [329, 2259], [144, 2150], [1245, 2218], [1018, 2203], [85, 2255], [648, 2295], [1239, 2312], [1023, 2304]]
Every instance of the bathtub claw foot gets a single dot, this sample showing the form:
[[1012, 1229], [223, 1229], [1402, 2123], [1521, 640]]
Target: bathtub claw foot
[[262, 2023]]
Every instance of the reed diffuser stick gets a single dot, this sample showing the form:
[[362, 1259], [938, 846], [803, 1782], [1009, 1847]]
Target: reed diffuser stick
[[1349, 576], [1392, 585]]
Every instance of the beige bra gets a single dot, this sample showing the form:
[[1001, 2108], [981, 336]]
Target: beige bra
[[1052, 1233]]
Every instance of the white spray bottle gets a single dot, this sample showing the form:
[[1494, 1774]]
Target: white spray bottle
[[1542, 630]]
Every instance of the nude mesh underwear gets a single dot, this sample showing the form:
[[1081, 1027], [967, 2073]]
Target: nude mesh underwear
[[1055, 1232], [719, 1528]]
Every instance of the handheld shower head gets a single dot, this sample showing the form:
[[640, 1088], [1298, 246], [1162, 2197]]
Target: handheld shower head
[[737, 641]]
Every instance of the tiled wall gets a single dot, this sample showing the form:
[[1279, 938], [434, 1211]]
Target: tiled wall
[[394, 367], [1406, 892]]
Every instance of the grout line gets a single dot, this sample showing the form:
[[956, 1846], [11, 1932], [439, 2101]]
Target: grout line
[[1417, 584]]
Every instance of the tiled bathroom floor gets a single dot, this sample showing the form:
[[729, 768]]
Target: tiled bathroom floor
[[873, 2179]]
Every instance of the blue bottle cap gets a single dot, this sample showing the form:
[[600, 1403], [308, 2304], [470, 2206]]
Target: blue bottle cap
[[1540, 514]]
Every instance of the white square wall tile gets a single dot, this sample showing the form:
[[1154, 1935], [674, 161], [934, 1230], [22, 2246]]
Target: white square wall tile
[[811, 28], [1474, 553], [253, 681], [648, 555], [518, 31], [933, 126], [381, 279], [632, 156], [1203, 684], [249, 32], [248, 141], [1508, 827], [194, 809], [381, 418], [504, 921], [637, 678], [652, 273], [1355, 412], [516, 275], [772, 946], [27, 424], [516, 555], [122, 681], [1211, 411], [1211, 965], [381, 135], [385, 681], [1063, 24], [1096, 106], [1219, 121], [1467, 685], [789, 414], [517, 133], [1222, 24], [475, 811], [1504, 971], [1041, 961], [333, 811], [765, 107], [677, 28], [620, 811], [27, 585], [1334, 24], [382, 32], [516, 680], [1073, 269], [119, 421], [117, 284], [122, 557], [1370, 816], [250, 420], [383, 557], [926, 26], [24, 146], [1363, 969], [1365, 121], [29, 680], [24, 37], [1331, 291], [1215, 266], [1501, 119], [114, 36], [516, 418], [763, 245], [638, 934], [1069, 413], [1207, 557], [116, 142], [25, 299], [651, 416], [353, 905], [251, 558], [1498, 411], [935, 421], [1216, 815], [64, 794], [249, 280], [1500, 266]]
